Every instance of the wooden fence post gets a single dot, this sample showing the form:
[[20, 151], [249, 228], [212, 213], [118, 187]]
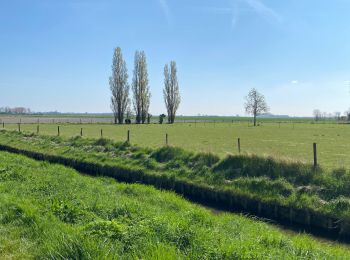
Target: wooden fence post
[[81, 131], [37, 129], [101, 133], [239, 145], [315, 154], [128, 137], [19, 127], [166, 139], [58, 130], [3, 124]]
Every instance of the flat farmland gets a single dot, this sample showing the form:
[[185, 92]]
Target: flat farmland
[[286, 141]]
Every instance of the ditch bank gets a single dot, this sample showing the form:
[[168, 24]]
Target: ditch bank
[[298, 219]]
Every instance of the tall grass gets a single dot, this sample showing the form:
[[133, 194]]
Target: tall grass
[[52, 212], [260, 178]]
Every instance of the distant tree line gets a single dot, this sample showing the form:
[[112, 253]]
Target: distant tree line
[[321, 116], [14, 110], [119, 86]]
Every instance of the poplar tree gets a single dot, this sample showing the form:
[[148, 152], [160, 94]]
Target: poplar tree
[[171, 91], [140, 87], [119, 87]]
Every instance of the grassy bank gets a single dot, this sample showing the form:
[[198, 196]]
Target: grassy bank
[[257, 179], [49, 211]]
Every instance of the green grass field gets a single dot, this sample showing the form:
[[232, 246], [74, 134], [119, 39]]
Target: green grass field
[[290, 141], [52, 212]]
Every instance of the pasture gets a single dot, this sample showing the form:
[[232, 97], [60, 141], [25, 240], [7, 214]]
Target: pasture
[[290, 141]]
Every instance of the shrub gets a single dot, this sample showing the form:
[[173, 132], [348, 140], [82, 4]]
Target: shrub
[[66, 211], [105, 229]]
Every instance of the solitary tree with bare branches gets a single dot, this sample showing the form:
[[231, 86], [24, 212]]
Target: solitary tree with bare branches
[[255, 104], [171, 91], [140, 88], [119, 86]]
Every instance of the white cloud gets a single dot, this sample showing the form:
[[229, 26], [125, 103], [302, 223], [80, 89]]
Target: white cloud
[[347, 84], [294, 82], [264, 11], [166, 11], [237, 7]]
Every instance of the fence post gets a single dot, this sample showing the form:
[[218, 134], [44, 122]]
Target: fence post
[[58, 130], [81, 131], [315, 154], [166, 139], [239, 145], [101, 133], [37, 129], [19, 127], [3, 124], [128, 137]]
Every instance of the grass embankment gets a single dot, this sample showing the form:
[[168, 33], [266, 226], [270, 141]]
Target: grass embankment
[[52, 212], [261, 179], [291, 141]]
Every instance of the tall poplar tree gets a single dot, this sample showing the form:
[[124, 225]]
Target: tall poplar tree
[[140, 87], [171, 91], [119, 86]]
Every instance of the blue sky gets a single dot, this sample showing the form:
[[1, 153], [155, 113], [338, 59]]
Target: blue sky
[[56, 55]]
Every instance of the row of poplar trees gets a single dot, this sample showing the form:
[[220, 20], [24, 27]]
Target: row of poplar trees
[[120, 101]]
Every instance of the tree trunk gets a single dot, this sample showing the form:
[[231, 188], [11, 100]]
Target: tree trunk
[[254, 119]]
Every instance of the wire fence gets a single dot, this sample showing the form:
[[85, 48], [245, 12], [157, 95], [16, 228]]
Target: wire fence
[[155, 120]]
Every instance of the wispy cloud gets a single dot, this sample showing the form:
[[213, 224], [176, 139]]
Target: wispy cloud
[[238, 8], [166, 11], [263, 10], [234, 13], [294, 82], [347, 84]]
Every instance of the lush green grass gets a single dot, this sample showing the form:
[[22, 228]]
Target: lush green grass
[[291, 184], [291, 141], [52, 212]]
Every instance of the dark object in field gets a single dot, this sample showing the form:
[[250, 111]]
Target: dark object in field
[[149, 116], [128, 121], [239, 145], [161, 118], [315, 154]]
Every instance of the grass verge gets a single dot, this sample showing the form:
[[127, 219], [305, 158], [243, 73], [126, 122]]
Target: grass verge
[[52, 212]]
